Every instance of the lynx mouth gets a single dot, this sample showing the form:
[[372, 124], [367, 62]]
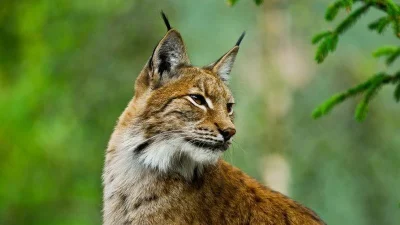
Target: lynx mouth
[[215, 146]]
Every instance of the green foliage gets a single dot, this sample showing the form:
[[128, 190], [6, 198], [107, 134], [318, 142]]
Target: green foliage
[[328, 105], [56, 107], [331, 37], [317, 38], [396, 28], [327, 44], [335, 7], [397, 92], [258, 2], [380, 24], [392, 8], [233, 2], [348, 3], [390, 52], [370, 87], [351, 19], [393, 18], [362, 110]]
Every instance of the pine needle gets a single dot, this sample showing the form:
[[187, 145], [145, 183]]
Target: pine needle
[[327, 45], [380, 24], [391, 52], [362, 107], [397, 93], [352, 18], [393, 57], [231, 2], [328, 41], [328, 105], [333, 9], [259, 2], [392, 8], [317, 38], [384, 51]]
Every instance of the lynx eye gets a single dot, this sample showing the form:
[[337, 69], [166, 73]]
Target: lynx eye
[[229, 107], [198, 99]]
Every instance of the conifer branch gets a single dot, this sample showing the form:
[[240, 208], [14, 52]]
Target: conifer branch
[[397, 93], [362, 107], [328, 45], [317, 38], [380, 24], [328, 105], [352, 18], [334, 8], [258, 2], [383, 5], [370, 87], [329, 39], [327, 42], [393, 57], [231, 2], [391, 52]]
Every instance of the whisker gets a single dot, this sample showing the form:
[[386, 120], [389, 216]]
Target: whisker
[[238, 145]]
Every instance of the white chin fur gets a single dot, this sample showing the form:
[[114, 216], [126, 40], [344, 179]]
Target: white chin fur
[[173, 155]]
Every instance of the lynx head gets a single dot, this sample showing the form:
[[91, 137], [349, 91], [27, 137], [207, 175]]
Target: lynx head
[[182, 113]]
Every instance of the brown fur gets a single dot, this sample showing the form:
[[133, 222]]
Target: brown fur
[[213, 192]]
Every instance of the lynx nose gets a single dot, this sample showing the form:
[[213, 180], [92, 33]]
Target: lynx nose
[[228, 133]]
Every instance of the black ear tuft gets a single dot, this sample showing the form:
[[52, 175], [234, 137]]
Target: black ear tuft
[[165, 20], [240, 38], [223, 65]]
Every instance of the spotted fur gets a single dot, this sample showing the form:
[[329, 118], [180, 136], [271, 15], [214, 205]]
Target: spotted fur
[[163, 161]]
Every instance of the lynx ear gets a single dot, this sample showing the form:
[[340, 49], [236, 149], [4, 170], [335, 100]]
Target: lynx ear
[[167, 56], [223, 65]]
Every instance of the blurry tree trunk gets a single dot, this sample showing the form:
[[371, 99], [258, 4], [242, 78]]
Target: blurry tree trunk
[[284, 71]]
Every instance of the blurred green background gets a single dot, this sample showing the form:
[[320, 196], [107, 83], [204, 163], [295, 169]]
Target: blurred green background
[[67, 70]]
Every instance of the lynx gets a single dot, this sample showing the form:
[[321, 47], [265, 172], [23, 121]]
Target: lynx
[[163, 162]]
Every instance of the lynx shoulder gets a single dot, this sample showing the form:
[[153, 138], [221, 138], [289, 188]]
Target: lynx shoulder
[[163, 161]]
